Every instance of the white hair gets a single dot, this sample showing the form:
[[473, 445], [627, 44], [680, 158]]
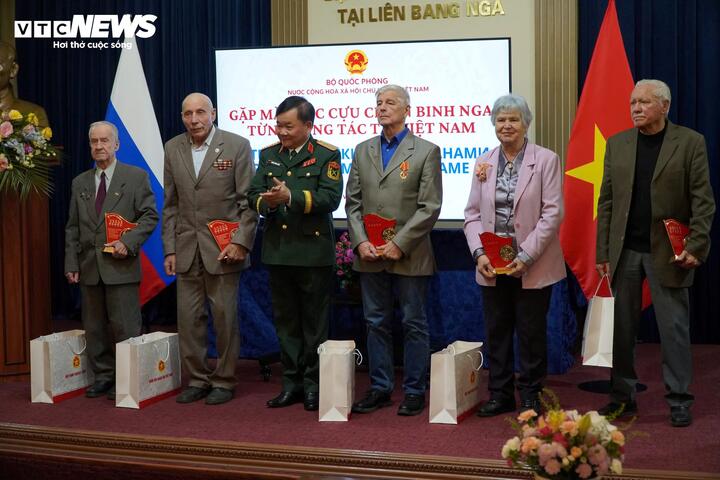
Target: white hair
[[661, 91], [511, 103], [107, 124], [402, 94]]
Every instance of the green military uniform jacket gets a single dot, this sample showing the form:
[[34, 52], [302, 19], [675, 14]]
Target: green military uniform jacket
[[301, 234]]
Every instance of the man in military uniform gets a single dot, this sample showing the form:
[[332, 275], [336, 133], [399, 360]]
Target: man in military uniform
[[296, 188]]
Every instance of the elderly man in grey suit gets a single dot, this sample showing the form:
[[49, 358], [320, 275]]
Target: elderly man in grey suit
[[109, 282], [207, 174], [653, 172], [395, 175]]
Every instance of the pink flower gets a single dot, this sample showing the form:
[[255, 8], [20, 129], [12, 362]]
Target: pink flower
[[29, 128], [559, 438], [6, 129], [349, 253], [552, 466], [340, 273], [597, 455], [4, 164], [584, 470]]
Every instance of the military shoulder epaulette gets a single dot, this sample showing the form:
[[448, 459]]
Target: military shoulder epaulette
[[329, 146], [271, 145]]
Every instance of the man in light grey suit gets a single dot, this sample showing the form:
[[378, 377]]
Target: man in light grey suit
[[395, 175], [109, 283], [653, 172], [207, 174]]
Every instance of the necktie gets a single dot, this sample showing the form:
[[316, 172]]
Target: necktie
[[101, 193], [292, 154]]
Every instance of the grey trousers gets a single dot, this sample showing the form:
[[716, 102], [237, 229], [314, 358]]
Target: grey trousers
[[110, 314], [673, 320], [194, 288]]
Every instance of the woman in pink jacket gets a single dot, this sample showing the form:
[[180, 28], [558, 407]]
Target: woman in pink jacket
[[516, 193]]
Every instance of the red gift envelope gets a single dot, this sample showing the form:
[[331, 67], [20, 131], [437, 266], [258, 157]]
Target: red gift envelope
[[222, 232], [115, 226], [380, 230], [499, 250]]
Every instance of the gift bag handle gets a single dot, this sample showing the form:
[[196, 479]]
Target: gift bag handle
[[167, 355], [358, 356], [81, 350], [607, 278], [482, 360]]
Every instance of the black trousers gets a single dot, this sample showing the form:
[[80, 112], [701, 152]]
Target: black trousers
[[510, 309], [301, 306]]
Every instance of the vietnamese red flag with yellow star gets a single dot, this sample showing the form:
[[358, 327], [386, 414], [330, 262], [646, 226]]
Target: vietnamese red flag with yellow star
[[603, 111]]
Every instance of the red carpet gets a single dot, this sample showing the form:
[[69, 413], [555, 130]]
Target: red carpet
[[246, 419]]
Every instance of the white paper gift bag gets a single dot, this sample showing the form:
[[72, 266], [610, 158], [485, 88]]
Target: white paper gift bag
[[147, 369], [58, 366], [337, 379], [454, 382], [597, 347]]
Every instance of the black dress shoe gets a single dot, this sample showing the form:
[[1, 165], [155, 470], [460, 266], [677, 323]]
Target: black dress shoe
[[98, 389], [618, 409], [192, 394], [411, 405], [111, 393], [495, 407], [219, 395], [373, 400], [680, 416], [531, 404], [285, 399], [311, 401]]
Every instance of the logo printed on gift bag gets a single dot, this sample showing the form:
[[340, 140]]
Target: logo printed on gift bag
[[76, 361], [472, 376], [161, 365]]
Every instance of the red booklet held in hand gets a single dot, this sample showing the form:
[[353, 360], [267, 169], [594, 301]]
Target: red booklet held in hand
[[223, 232], [499, 251], [115, 226], [677, 233], [380, 230]]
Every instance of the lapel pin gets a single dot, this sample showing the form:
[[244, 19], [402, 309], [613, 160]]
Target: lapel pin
[[217, 150]]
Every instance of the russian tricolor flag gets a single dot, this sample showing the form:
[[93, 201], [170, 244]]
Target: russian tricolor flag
[[131, 110]]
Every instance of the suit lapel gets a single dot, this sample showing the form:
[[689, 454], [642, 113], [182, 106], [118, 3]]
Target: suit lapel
[[667, 149], [89, 193], [115, 192], [375, 155], [625, 165], [213, 153], [301, 156], [491, 180], [526, 172], [185, 151], [403, 152]]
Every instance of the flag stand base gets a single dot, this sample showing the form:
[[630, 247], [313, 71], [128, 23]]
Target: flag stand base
[[603, 386]]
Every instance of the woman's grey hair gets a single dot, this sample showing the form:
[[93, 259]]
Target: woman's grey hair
[[660, 89], [402, 94], [108, 124], [511, 103]]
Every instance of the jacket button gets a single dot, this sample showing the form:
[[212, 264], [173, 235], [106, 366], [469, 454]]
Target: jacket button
[[307, 174], [270, 174], [317, 234], [289, 173], [284, 227], [197, 187]]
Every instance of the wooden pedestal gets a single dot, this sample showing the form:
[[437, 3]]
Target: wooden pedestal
[[24, 280]]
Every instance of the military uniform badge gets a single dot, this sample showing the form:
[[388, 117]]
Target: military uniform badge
[[333, 172]]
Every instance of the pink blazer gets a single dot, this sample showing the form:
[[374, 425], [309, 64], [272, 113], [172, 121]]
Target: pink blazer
[[537, 213]]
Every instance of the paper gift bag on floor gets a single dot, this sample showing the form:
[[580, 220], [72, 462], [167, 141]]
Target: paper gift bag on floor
[[147, 369], [337, 380], [58, 366], [597, 347], [454, 379]]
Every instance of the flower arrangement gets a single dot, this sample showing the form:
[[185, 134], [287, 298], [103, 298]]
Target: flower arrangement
[[565, 445], [344, 258], [25, 152]]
